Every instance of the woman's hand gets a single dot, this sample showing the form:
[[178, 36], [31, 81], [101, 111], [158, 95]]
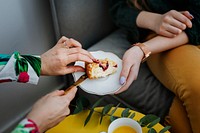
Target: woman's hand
[[51, 109], [130, 67], [56, 60], [172, 23]]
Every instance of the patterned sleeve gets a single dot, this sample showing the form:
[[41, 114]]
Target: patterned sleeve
[[26, 126], [20, 68]]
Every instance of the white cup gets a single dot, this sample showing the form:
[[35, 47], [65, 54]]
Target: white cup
[[124, 122]]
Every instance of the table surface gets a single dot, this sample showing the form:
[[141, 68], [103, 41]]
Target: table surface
[[75, 123]]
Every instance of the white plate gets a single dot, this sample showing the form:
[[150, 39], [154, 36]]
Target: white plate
[[101, 86]]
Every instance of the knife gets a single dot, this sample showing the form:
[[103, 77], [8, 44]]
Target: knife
[[77, 83]]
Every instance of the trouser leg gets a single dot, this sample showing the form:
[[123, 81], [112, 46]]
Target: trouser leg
[[177, 118], [179, 70]]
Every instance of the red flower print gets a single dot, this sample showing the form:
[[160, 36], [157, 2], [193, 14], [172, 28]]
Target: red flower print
[[23, 77]]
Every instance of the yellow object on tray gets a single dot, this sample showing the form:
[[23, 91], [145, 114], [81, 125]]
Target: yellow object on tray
[[75, 123]]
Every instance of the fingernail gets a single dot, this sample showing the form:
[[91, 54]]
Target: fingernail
[[191, 16], [95, 60], [122, 80]]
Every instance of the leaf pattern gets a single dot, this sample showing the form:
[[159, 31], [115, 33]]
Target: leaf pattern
[[21, 64], [35, 62]]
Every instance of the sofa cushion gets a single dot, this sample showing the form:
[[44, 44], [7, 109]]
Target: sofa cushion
[[146, 94], [87, 21]]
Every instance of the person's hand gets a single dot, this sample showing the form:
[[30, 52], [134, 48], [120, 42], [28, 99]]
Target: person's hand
[[51, 109], [130, 67], [56, 60], [172, 23]]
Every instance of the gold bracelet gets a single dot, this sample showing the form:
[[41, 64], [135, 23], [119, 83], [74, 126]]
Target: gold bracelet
[[144, 49]]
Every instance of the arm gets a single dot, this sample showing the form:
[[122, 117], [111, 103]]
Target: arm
[[160, 43], [47, 112], [169, 24], [157, 44], [27, 68], [20, 68]]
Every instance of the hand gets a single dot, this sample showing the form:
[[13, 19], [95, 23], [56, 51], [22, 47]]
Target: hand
[[172, 23], [51, 109], [56, 60], [130, 67]]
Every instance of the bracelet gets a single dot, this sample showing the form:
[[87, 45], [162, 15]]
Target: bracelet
[[144, 49]]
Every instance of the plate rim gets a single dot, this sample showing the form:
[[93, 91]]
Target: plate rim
[[92, 92]]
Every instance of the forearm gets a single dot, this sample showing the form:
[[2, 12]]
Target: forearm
[[159, 43], [20, 68], [147, 20]]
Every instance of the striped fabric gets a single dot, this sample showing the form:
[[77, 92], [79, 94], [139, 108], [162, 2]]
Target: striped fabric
[[25, 69], [26, 126]]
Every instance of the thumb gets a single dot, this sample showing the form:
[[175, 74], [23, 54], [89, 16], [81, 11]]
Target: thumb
[[70, 94], [57, 93], [62, 39], [72, 69]]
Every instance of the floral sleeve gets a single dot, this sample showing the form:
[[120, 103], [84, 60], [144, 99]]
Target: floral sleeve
[[20, 68], [26, 126]]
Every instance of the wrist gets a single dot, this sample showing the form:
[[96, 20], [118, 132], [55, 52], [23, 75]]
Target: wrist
[[144, 49], [42, 70], [138, 52], [34, 124], [37, 121]]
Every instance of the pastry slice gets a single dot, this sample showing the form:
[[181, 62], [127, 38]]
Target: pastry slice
[[100, 68]]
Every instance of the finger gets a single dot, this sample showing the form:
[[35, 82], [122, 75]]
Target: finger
[[57, 93], [131, 77], [173, 30], [67, 112], [125, 71], [178, 24], [80, 50], [62, 40], [182, 18], [70, 94], [79, 57], [167, 34], [72, 69], [73, 43], [188, 15]]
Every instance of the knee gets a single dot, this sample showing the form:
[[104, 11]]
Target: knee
[[180, 67]]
